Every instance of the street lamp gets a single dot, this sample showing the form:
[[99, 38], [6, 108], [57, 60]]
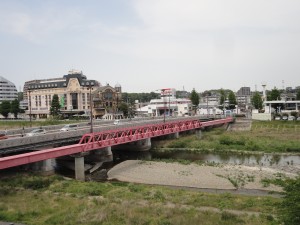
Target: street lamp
[[29, 91], [207, 104], [91, 109]]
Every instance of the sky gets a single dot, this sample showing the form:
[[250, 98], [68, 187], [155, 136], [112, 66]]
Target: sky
[[146, 45]]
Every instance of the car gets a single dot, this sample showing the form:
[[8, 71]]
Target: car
[[117, 122], [69, 127], [298, 118], [36, 132], [284, 118], [291, 118], [277, 118]]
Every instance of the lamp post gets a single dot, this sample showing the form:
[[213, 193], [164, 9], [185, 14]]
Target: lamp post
[[29, 91], [207, 104], [91, 109], [169, 105]]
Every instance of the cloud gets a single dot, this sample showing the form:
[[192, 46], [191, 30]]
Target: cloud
[[40, 25], [180, 15]]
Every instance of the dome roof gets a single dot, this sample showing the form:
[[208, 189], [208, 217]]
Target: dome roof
[[117, 85]]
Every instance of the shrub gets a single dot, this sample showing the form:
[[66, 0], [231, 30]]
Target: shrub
[[289, 208], [294, 113]]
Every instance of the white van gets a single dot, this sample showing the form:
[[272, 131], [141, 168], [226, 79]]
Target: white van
[[69, 127]]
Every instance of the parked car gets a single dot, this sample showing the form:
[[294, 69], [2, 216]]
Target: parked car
[[117, 122], [69, 127], [298, 118], [277, 118], [285, 118], [291, 118], [36, 132]]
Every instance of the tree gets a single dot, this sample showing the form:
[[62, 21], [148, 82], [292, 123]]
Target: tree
[[232, 100], [298, 94], [15, 107], [194, 98], [124, 108], [5, 108], [289, 209], [257, 101], [273, 95], [55, 106], [222, 99], [20, 96]]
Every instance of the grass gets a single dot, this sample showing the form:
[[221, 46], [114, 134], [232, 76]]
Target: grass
[[272, 136], [73, 202]]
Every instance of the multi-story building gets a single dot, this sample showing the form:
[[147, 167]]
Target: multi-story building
[[243, 98], [106, 101], [8, 91], [74, 91]]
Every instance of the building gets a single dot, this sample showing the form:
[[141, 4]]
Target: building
[[8, 91], [167, 105], [106, 101], [74, 91], [243, 98]]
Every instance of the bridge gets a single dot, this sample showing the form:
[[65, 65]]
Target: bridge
[[108, 138]]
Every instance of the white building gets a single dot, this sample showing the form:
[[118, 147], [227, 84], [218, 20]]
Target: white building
[[167, 105], [8, 91]]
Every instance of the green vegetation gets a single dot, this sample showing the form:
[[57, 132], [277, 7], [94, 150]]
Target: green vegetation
[[289, 208], [257, 101], [274, 136], [54, 200], [55, 106]]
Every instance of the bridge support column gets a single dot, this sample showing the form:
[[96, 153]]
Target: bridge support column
[[48, 165], [176, 135], [143, 145], [79, 167], [199, 134], [103, 154]]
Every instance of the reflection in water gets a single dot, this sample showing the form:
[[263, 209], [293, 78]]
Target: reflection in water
[[225, 158], [229, 158], [123, 155]]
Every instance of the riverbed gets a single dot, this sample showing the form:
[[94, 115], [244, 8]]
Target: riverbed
[[222, 177]]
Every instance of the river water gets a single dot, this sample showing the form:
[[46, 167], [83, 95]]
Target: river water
[[223, 158]]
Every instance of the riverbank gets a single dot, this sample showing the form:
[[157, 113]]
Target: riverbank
[[223, 177]]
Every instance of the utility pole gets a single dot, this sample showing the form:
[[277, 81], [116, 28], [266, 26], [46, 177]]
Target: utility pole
[[207, 104], [29, 91], [91, 109]]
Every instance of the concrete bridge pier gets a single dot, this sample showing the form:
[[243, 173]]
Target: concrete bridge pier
[[79, 166], [144, 144], [198, 134], [45, 166], [141, 145], [176, 135], [103, 155], [48, 166]]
